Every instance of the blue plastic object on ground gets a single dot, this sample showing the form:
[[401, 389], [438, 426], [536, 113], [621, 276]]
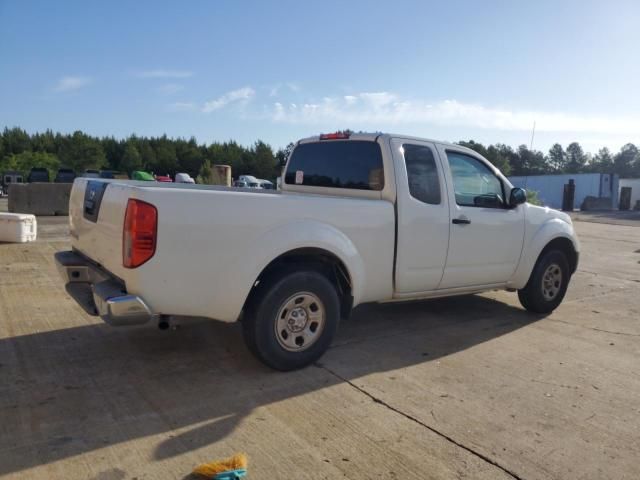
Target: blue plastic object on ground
[[231, 474]]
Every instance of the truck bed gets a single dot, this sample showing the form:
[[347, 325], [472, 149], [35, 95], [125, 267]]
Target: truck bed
[[213, 242]]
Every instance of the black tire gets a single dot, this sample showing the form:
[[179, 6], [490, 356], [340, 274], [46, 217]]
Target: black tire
[[537, 296], [268, 304]]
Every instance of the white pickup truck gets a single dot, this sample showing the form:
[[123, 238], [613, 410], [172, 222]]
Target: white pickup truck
[[360, 218]]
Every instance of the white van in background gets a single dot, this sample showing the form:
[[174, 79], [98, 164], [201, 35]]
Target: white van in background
[[184, 178]]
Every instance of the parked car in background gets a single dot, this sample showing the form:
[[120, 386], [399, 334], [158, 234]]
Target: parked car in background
[[266, 184], [38, 175], [107, 174], [184, 178], [163, 178], [240, 184], [65, 175], [250, 180], [89, 173], [143, 176], [360, 218]]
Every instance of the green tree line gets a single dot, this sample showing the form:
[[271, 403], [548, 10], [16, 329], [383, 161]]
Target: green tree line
[[573, 159], [21, 151]]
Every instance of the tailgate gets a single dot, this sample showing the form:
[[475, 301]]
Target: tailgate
[[96, 218]]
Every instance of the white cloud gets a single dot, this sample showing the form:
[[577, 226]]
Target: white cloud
[[241, 95], [68, 84], [160, 73], [274, 91], [169, 88], [181, 106], [385, 108], [294, 87]]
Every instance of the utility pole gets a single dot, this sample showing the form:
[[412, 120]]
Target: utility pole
[[533, 132]]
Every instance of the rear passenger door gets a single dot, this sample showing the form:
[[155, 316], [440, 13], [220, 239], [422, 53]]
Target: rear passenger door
[[423, 216]]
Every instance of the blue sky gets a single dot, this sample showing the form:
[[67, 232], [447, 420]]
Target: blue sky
[[282, 70]]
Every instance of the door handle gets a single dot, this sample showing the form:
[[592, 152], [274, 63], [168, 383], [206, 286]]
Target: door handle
[[461, 221]]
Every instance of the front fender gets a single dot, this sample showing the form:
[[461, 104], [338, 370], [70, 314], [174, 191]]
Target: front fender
[[543, 234]]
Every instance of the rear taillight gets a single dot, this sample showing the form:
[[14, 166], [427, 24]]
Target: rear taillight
[[139, 234]]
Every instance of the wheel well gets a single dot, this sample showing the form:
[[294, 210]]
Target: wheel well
[[315, 259], [565, 246]]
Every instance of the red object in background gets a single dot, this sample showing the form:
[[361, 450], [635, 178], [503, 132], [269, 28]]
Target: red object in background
[[335, 136], [163, 178]]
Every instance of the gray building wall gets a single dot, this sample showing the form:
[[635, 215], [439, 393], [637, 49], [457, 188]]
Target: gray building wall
[[550, 187]]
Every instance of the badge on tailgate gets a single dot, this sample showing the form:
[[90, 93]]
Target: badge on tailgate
[[92, 199]]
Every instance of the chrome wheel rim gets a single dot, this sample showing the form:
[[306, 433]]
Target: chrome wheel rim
[[551, 281], [300, 322]]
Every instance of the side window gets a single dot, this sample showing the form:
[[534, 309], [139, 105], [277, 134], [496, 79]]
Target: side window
[[474, 183], [422, 173], [352, 164]]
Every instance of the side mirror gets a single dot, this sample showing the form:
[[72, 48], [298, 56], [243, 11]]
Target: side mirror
[[517, 196]]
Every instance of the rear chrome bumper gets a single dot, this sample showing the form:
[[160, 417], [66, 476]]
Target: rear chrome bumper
[[100, 294]]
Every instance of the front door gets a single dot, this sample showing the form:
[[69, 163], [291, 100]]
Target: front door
[[423, 216], [486, 236]]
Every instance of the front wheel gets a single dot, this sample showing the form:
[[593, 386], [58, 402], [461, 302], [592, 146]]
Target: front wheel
[[548, 283], [291, 319]]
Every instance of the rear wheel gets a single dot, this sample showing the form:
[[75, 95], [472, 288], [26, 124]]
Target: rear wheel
[[548, 283], [291, 319]]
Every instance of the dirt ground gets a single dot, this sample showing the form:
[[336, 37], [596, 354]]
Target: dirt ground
[[471, 387], [616, 217]]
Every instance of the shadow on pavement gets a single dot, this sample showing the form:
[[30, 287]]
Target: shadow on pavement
[[67, 392]]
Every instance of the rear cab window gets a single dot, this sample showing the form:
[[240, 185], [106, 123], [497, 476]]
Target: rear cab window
[[422, 173], [347, 164]]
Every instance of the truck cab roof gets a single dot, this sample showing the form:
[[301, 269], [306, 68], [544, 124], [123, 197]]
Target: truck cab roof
[[346, 164], [373, 137]]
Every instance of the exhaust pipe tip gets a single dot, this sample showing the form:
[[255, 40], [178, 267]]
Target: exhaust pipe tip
[[168, 322], [163, 323]]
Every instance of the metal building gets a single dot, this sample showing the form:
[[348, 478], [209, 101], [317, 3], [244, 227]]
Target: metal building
[[550, 188], [632, 196]]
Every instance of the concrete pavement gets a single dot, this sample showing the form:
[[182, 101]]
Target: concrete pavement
[[471, 387]]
